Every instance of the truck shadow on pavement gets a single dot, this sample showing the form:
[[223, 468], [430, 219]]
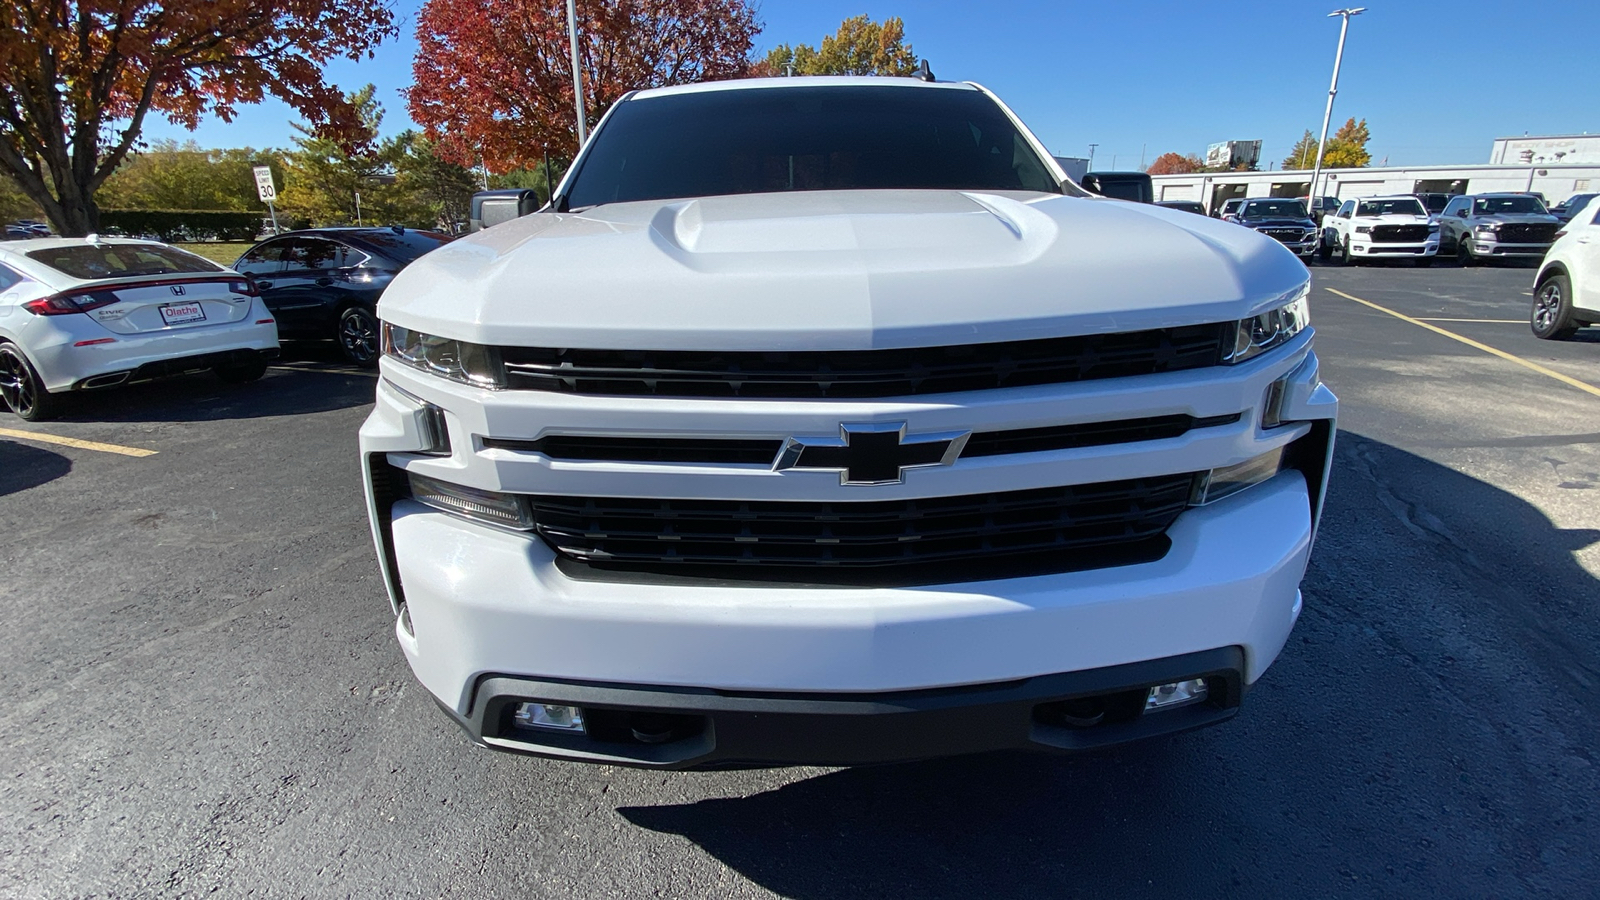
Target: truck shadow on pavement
[[23, 467], [1428, 731]]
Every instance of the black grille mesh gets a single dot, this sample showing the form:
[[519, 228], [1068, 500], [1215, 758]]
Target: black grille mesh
[[1527, 232], [1399, 234], [863, 373], [1074, 525]]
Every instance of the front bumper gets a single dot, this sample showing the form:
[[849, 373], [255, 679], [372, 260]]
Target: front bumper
[[1397, 251], [1495, 248], [687, 728], [487, 616]]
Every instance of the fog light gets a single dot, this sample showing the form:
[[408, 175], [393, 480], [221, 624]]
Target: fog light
[[549, 717], [1178, 693]]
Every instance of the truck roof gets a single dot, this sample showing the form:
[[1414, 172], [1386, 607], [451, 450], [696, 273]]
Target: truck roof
[[803, 81]]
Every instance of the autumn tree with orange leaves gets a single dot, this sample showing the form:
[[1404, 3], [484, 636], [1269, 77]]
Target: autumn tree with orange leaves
[[1176, 164], [494, 77], [78, 79]]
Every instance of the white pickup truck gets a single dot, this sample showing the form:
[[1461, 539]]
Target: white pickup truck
[[823, 420], [1397, 227]]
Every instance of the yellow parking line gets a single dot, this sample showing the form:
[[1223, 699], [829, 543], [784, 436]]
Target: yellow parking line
[[1551, 373], [74, 442], [1484, 321]]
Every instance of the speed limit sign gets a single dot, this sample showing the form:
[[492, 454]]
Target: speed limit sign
[[264, 187]]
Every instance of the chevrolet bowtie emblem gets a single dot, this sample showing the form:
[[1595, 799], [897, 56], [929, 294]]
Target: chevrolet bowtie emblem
[[872, 453]]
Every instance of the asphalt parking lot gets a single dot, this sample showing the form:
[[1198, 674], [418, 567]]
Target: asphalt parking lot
[[204, 696]]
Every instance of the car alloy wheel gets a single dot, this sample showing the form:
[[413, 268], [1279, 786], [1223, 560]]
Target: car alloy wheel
[[20, 387], [358, 336], [1552, 314]]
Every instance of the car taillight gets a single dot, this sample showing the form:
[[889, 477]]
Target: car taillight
[[245, 286], [68, 302]]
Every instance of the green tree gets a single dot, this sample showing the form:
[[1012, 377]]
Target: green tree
[[1303, 155], [1347, 149], [860, 47], [431, 191], [14, 204], [169, 175], [324, 177]]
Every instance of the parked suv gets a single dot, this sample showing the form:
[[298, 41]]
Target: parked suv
[[1395, 227], [793, 431], [1282, 220], [1566, 293], [1496, 226]]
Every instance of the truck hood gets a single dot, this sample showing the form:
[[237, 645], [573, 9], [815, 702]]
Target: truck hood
[[1396, 219], [1521, 219], [839, 270]]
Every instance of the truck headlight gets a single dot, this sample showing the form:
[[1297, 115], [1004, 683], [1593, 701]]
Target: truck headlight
[[1487, 228], [471, 364], [1363, 229], [1275, 327], [1433, 228]]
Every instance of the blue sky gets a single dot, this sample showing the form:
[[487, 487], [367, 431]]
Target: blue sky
[[1437, 82]]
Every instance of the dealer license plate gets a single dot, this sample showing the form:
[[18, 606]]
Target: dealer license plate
[[182, 313]]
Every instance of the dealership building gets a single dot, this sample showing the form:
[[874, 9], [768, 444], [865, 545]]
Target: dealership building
[[1555, 166], [1555, 182]]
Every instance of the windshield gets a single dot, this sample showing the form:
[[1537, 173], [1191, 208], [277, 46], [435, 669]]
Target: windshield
[[1273, 209], [1406, 206], [1436, 202], [759, 140], [119, 260], [1496, 206]]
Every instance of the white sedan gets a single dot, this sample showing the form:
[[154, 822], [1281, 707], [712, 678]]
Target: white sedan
[[83, 313]]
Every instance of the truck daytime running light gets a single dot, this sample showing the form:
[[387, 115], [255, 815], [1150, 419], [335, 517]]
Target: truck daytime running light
[[456, 360], [1229, 480], [1273, 328], [505, 510]]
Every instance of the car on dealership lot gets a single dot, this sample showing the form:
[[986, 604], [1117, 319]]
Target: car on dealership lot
[[1396, 227], [1570, 207], [84, 313], [1284, 220], [1228, 208], [1481, 227], [1190, 206], [324, 283], [791, 431], [1566, 292]]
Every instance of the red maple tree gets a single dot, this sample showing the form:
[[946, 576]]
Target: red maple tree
[[1176, 164], [494, 77], [78, 79]]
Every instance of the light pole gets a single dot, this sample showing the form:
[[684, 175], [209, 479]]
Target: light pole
[[1333, 89], [1091, 155], [577, 73]]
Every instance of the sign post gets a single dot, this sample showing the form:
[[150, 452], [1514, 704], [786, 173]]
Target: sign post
[[267, 192]]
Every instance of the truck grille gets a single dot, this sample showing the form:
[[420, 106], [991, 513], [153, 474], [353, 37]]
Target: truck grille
[[1399, 234], [1527, 232], [727, 451], [863, 373], [1286, 235], [1081, 526]]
